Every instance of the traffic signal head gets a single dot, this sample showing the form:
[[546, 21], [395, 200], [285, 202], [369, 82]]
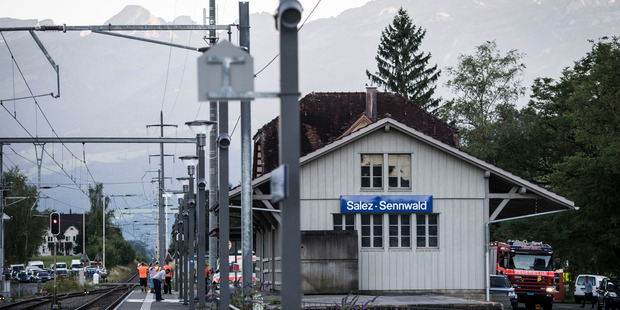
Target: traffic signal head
[[55, 223]]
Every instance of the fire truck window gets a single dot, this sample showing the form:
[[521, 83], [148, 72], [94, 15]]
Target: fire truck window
[[539, 264], [501, 260]]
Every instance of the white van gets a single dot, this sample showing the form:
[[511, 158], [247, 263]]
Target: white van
[[36, 263], [15, 269], [580, 286], [61, 268], [76, 266]]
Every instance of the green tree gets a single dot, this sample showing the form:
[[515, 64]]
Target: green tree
[[25, 230], [117, 251], [487, 86], [577, 152], [402, 68]]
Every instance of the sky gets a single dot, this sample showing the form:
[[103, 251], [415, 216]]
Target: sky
[[85, 13], [82, 13]]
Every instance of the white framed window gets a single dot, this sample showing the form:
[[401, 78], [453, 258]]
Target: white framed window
[[68, 238], [427, 230], [344, 221], [399, 170], [399, 230], [372, 230], [372, 170]]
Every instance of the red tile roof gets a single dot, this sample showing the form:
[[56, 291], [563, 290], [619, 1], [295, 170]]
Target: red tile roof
[[325, 117]]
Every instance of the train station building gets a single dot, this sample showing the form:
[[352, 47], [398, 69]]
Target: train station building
[[389, 202]]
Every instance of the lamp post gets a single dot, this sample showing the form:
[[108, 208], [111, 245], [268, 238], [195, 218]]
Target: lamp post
[[190, 161], [201, 128], [183, 237]]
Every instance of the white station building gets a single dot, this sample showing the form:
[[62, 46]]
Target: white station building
[[389, 203]]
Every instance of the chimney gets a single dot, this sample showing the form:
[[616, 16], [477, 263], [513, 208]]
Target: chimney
[[371, 102]]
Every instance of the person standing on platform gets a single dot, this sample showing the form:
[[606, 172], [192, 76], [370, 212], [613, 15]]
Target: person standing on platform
[[143, 270], [152, 273], [158, 280], [168, 286]]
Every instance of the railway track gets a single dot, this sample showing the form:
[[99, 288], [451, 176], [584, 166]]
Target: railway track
[[107, 297]]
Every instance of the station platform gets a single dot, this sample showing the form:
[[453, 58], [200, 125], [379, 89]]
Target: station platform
[[145, 301]]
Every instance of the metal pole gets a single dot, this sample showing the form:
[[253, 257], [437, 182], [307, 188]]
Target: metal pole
[[176, 254], [1, 217], [161, 222], [289, 15], [224, 201], [213, 186], [184, 243], [103, 226], [54, 298], [213, 161], [190, 239], [246, 164], [201, 141]]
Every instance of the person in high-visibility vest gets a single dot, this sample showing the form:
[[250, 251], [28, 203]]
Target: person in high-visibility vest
[[168, 287], [142, 269]]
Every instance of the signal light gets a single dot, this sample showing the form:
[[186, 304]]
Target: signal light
[[55, 223]]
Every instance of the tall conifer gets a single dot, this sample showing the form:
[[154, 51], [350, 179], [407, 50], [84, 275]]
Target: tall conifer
[[402, 67]]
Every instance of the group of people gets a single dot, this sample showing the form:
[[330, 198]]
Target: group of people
[[156, 277]]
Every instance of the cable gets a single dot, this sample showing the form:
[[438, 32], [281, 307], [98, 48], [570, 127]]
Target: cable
[[36, 115], [278, 55]]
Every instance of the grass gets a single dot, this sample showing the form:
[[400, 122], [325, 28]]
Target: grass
[[48, 260]]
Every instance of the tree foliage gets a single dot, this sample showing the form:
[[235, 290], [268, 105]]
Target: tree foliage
[[576, 149], [117, 250], [487, 86], [402, 68], [25, 230]]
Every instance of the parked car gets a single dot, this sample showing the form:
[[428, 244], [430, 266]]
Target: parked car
[[32, 273], [503, 292], [15, 269], [580, 286], [42, 275], [22, 277], [608, 294]]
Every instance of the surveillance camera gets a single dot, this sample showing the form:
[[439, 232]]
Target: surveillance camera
[[223, 140], [288, 14], [202, 183], [192, 203]]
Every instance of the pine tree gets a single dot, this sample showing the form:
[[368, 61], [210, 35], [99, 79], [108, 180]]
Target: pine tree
[[402, 67]]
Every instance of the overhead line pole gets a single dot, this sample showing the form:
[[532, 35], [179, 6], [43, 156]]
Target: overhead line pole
[[246, 164], [213, 158], [161, 253]]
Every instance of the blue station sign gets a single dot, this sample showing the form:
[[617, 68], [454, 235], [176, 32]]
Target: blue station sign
[[386, 204]]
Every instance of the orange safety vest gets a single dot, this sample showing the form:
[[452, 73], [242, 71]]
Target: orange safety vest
[[207, 272], [142, 270], [168, 274]]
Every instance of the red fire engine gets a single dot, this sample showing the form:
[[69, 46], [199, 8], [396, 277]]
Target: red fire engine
[[530, 268]]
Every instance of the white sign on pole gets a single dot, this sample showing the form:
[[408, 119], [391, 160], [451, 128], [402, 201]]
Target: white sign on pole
[[225, 72]]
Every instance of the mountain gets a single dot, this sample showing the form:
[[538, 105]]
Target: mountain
[[111, 86]]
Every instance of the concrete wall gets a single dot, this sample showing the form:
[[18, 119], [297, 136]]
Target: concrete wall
[[329, 261]]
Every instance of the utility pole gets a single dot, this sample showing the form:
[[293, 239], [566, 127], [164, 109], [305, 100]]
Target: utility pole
[[246, 163], [223, 142], [213, 159], [287, 19], [1, 217], [161, 232]]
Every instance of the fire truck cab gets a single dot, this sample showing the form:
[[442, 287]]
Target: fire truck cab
[[530, 268]]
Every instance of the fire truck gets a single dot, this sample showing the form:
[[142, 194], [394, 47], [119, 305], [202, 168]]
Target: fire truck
[[530, 268]]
